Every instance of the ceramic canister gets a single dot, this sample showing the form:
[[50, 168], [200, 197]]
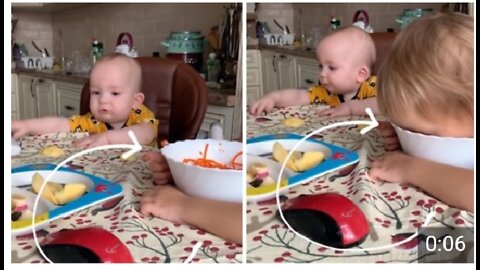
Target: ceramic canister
[[409, 15], [184, 42]]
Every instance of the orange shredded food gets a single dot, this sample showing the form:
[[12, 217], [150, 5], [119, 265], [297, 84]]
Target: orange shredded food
[[209, 163]]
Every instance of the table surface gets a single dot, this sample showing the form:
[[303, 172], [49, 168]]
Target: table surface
[[150, 240], [394, 212]]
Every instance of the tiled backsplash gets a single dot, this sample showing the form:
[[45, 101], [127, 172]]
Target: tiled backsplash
[[304, 17], [149, 24], [35, 27]]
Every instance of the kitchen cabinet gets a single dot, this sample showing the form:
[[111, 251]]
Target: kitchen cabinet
[[68, 98], [269, 72], [284, 71], [254, 76], [36, 97], [307, 72], [285, 66], [14, 98], [45, 95], [40, 97], [278, 71], [35, 93]]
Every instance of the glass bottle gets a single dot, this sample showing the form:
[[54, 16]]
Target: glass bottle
[[97, 50], [213, 67], [334, 23]]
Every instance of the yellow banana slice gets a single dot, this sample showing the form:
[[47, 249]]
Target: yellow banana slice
[[293, 122], [52, 151]]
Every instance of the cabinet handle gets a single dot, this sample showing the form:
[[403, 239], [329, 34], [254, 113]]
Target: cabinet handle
[[70, 108], [31, 89], [283, 56], [41, 80], [273, 64]]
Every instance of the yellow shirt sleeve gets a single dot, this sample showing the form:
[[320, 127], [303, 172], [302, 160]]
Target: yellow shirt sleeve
[[86, 123], [368, 88], [319, 94], [143, 115]]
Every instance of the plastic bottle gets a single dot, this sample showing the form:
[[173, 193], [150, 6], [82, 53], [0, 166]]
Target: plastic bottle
[[97, 50], [213, 67], [334, 23]]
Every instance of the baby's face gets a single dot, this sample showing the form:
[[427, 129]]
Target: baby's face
[[442, 126], [339, 67], [111, 92]]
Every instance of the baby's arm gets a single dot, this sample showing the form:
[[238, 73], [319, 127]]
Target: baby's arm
[[38, 126], [144, 133], [281, 98], [452, 185], [352, 107], [169, 203], [357, 107]]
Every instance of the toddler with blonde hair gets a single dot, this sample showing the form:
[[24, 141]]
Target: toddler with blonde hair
[[426, 85]]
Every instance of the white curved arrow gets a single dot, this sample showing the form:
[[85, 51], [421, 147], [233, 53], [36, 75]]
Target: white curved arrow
[[371, 125], [135, 147]]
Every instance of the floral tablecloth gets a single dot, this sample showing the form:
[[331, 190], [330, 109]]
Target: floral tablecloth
[[150, 240], [394, 212]]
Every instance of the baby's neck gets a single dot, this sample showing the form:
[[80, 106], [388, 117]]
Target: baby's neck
[[116, 125], [349, 95]]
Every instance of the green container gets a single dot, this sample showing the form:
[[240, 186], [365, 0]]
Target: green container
[[186, 35], [409, 15], [184, 42]]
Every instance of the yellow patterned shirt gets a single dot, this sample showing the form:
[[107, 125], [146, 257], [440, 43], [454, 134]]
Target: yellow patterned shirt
[[88, 123], [320, 94]]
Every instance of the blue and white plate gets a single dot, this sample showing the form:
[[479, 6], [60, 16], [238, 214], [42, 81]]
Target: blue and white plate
[[98, 190], [336, 158]]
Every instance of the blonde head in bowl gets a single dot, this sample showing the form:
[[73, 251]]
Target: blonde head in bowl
[[426, 84], [426, 90]]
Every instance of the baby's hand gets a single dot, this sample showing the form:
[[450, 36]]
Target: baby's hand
[[94, 140], [19, 129], [265, 104], [158, 165], [391, 167], [165, 202], [389, 135], [341, 110]]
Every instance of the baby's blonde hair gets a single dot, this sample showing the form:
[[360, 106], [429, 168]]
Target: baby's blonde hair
[[358, 40], [133, 65], [430, 69]]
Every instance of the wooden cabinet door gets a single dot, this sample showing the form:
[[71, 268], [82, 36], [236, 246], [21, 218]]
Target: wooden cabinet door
[[68, 98], [46, 99], [307, 72], [269, 72], [27, 102], [286, 71]]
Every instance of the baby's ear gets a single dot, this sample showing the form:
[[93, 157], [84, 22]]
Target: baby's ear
[[138, 99], [363, 74]]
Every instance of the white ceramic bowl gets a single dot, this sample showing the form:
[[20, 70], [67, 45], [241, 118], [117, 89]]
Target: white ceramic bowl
[[457, 152], [218, 184]]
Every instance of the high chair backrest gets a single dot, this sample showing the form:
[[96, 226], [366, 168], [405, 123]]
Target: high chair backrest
[[174, 92], [383, 43]]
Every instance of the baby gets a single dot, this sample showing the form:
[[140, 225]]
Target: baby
[[427, 86], [115, 108], [346, 57]]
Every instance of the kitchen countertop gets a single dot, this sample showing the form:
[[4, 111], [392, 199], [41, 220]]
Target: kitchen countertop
[[218, 97], [80, 78], [284, 49]]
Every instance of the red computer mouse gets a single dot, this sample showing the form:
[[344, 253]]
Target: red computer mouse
[[330, 219], [85, 245]]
